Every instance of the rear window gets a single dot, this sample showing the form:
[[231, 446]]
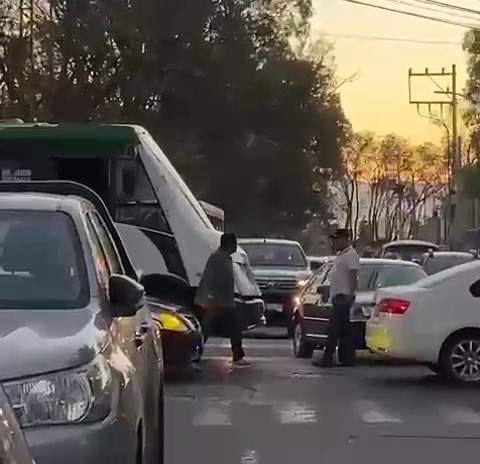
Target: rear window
[[394, 276], [41, 265], [274, 255], [436, 264]]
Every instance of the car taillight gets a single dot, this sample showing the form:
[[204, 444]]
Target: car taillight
[[394, 306]]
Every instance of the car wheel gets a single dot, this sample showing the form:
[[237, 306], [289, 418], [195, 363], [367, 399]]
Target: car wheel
[[460, 358], [301, 348]]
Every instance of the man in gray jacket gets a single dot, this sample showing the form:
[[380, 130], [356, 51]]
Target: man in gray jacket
[[216, 296]]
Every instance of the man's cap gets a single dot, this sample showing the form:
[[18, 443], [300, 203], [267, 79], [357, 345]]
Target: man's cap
[[341, 233]]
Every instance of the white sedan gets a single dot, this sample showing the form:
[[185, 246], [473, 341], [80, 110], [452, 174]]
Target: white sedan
[[435, 321]]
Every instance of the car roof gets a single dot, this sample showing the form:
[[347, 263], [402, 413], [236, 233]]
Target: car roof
[[270, 241], [410, 243], [383, 262], [38, 201], [386, 262], [72, 139]]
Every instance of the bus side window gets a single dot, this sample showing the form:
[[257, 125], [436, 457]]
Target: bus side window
[[136, 202]]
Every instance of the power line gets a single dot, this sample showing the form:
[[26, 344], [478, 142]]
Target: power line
[[448, 6], [392, 39], [435, 9], [412, 14]]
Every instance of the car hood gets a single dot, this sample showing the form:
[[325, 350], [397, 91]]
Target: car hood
[[37, 341], [280, 273]]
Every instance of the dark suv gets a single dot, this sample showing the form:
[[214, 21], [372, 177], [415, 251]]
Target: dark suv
[[280, 268]]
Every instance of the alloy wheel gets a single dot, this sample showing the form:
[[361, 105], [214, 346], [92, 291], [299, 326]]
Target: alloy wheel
[[465, 360]]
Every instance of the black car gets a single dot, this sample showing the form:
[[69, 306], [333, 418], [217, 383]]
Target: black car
[[169, 298], [312, 311]]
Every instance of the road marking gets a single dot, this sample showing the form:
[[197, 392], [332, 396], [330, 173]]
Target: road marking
[[249, 457], [292, 412], [371, 413], [213, 414], [250, 344], [460, 415], [253, 359]]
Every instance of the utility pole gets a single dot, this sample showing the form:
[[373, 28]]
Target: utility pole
[[455, 146], [451, 101]]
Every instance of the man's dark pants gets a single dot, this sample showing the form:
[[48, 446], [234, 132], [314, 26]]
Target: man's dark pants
[[232, 321], [340, 333]]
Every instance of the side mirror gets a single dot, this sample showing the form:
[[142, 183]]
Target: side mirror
[[315, 265], [167, 286], [126, 296], [324, 292]]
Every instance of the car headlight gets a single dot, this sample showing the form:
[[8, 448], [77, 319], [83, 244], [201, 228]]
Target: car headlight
[[83, 395], [172, 322]]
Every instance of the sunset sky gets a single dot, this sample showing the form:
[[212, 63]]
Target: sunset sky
[[378, 99]]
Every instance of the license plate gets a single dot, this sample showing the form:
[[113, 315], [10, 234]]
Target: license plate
[[274, 307]]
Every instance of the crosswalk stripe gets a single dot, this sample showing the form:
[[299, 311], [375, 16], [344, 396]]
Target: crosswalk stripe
[[372, 413], [459, 415], [295, 413], [249, 457], [252, 359], [213, 413], [249, 344]]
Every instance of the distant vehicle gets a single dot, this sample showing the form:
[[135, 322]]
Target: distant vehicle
[[316, 262], [13, 447], [434, 321], [126, 167], [87, 364], [313, 308], [436, 261], [215, 214], [407, 250], [281, 269]]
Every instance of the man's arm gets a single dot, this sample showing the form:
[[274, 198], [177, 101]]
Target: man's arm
[[353, 278]]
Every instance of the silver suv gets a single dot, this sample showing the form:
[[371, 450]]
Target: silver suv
[[79, 355]]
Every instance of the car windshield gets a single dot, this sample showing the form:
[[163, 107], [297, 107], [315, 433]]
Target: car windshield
[[408, 252], [274, 255], [40, 262], [436, 264]]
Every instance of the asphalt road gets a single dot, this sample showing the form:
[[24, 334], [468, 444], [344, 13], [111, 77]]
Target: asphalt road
[[284, 410]]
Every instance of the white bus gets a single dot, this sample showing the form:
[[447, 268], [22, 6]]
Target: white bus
[[157, 212], [215, 214]]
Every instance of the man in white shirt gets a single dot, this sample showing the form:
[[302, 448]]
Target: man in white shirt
[[343, 286]]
